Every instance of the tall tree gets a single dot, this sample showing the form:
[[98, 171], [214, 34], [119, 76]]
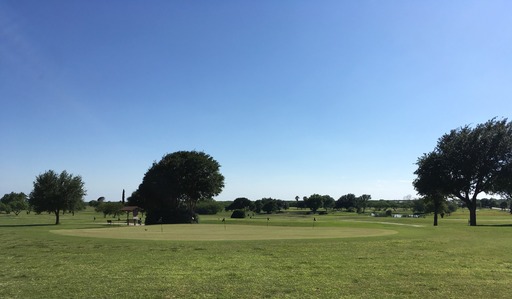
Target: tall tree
[[55, 193], [466, 162], [172, 187]]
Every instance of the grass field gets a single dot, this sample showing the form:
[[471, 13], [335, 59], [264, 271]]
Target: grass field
[[342, 256]]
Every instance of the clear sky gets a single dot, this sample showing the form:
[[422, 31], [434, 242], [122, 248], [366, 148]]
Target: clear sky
[[290, 97]]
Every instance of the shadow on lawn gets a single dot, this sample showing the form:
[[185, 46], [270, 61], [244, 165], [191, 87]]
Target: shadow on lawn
[[25, 225], [496, 225]]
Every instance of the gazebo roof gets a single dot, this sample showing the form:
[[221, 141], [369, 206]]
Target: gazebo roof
[[129, 208]]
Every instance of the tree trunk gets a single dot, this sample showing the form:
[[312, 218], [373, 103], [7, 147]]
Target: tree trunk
[[436, 210], [472, 216], [57, 215], [472, 211], [471, 205]]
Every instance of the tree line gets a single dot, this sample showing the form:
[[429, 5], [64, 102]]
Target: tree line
[[466, 162]]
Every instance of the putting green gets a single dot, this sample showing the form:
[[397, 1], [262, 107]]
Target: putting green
[[219, 232]]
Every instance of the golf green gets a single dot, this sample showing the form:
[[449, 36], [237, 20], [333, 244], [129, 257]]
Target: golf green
[[219, 232]]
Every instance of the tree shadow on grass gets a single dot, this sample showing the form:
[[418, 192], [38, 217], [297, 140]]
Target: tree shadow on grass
[[496, 225], [25, 225]]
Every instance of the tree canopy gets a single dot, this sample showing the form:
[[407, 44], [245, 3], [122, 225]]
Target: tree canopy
[[314, 202], [466, 162], [346, 201], [241, 203], [172, 187], [55, 193]]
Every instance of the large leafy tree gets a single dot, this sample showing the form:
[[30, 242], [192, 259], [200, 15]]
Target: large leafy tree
[[56, 193], [466, 162], [172, 187]]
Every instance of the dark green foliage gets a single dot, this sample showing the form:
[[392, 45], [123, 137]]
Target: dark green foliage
[[282, 205], [240, 203], [488, 203], [93, 203], [347, 202], [451, 206], [176, 184], [362, 202], [328, 202], [208, 207], [238, 214], [419, 206], [314, 202], [14, 202], [55, 193], [301, 204], [269, 206], [171, 216], [110, 208], [5, 208], [135, 199], [257, 207]]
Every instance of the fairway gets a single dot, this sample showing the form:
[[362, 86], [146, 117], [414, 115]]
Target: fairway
[[219, 232]]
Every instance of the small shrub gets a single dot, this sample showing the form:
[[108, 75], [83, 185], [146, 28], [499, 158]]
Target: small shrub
[[238, 214]]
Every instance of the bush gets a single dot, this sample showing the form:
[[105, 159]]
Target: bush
[[238, 214], [389, 213]]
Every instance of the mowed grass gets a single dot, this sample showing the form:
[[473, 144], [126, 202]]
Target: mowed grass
[[220, 232], [418, 261]]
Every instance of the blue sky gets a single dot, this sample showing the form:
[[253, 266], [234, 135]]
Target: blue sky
[[290, 97]]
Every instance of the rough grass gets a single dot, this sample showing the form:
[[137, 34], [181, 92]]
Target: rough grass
[[449, 261]]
